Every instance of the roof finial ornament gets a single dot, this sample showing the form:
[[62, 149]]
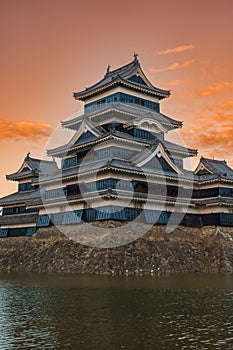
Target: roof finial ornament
[[28, 154], [108, 70], [135, 56]]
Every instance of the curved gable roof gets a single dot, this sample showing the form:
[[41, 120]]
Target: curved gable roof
[[214, 167], [131, 75], [31, 167]]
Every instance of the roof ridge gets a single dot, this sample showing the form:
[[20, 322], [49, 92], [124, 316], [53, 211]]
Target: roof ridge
[[213, 160], [145, 86], [40, 160], [134, 62], [120, 75], [113, 72]]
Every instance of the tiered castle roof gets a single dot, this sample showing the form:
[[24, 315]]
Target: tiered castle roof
[[32, 167], [126, 113], [130, 76], [210, 169], [93, 122]]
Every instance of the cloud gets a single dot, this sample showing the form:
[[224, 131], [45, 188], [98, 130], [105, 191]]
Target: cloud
[[225, 106], [177, 49], [173, 66], [214, 89], [212, 136], [28, 128], [221, 117]]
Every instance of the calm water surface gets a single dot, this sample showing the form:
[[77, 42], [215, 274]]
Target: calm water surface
[[98, 312]]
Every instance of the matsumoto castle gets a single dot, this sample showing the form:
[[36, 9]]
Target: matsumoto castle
[[118, 165]]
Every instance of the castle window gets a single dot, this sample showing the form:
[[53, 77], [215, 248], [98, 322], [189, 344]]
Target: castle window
[[27, 186], [124, 98], [72, 190], [172, 191]]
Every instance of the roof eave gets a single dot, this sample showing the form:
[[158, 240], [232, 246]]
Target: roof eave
[[18, 177], [83, 95]]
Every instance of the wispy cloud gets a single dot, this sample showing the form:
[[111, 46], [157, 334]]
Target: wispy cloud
[[221, 117], [225, 106], [213, 89], [212, 135], [173, 66], [28, 128], [177, 49]]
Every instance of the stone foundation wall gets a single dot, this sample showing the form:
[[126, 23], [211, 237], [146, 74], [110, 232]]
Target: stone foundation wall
[[207, 249]]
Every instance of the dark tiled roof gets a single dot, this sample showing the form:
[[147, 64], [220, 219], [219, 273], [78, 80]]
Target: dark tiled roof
[[18, 219], [215, 200], [124, 74], [127, 165], [75, 171], [172, 147], [142, 112], [34, 168], [20, 175], [42, 165], [20, 197], [217, 168], [131, 112], [63, 150], [169, 146]]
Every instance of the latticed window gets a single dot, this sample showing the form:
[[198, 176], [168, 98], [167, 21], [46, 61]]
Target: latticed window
[[14, 210], [124, 98], [72, 217], [27, 186], [16, 232], [3, 232], [69, 162], [226, 219], [143, 134], [30, 231], [111, 212], [8, 211], [90, 214], [105, 184], [227, 192], [211, 219], [153, 216], [164, 217], [55, 193], [43, 220], [209, 192], [133, 213]]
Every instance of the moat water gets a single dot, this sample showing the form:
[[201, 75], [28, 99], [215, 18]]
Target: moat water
[[97, 312]]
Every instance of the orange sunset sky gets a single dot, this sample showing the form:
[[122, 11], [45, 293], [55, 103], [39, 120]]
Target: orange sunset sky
[[51, 48]]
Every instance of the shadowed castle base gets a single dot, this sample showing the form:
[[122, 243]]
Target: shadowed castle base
[[205, 249]]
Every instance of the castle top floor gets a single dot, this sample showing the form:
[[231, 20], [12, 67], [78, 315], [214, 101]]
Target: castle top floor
[[127, 84]]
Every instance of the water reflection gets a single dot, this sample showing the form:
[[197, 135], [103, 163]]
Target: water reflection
[[99, 312], [24, 318]]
